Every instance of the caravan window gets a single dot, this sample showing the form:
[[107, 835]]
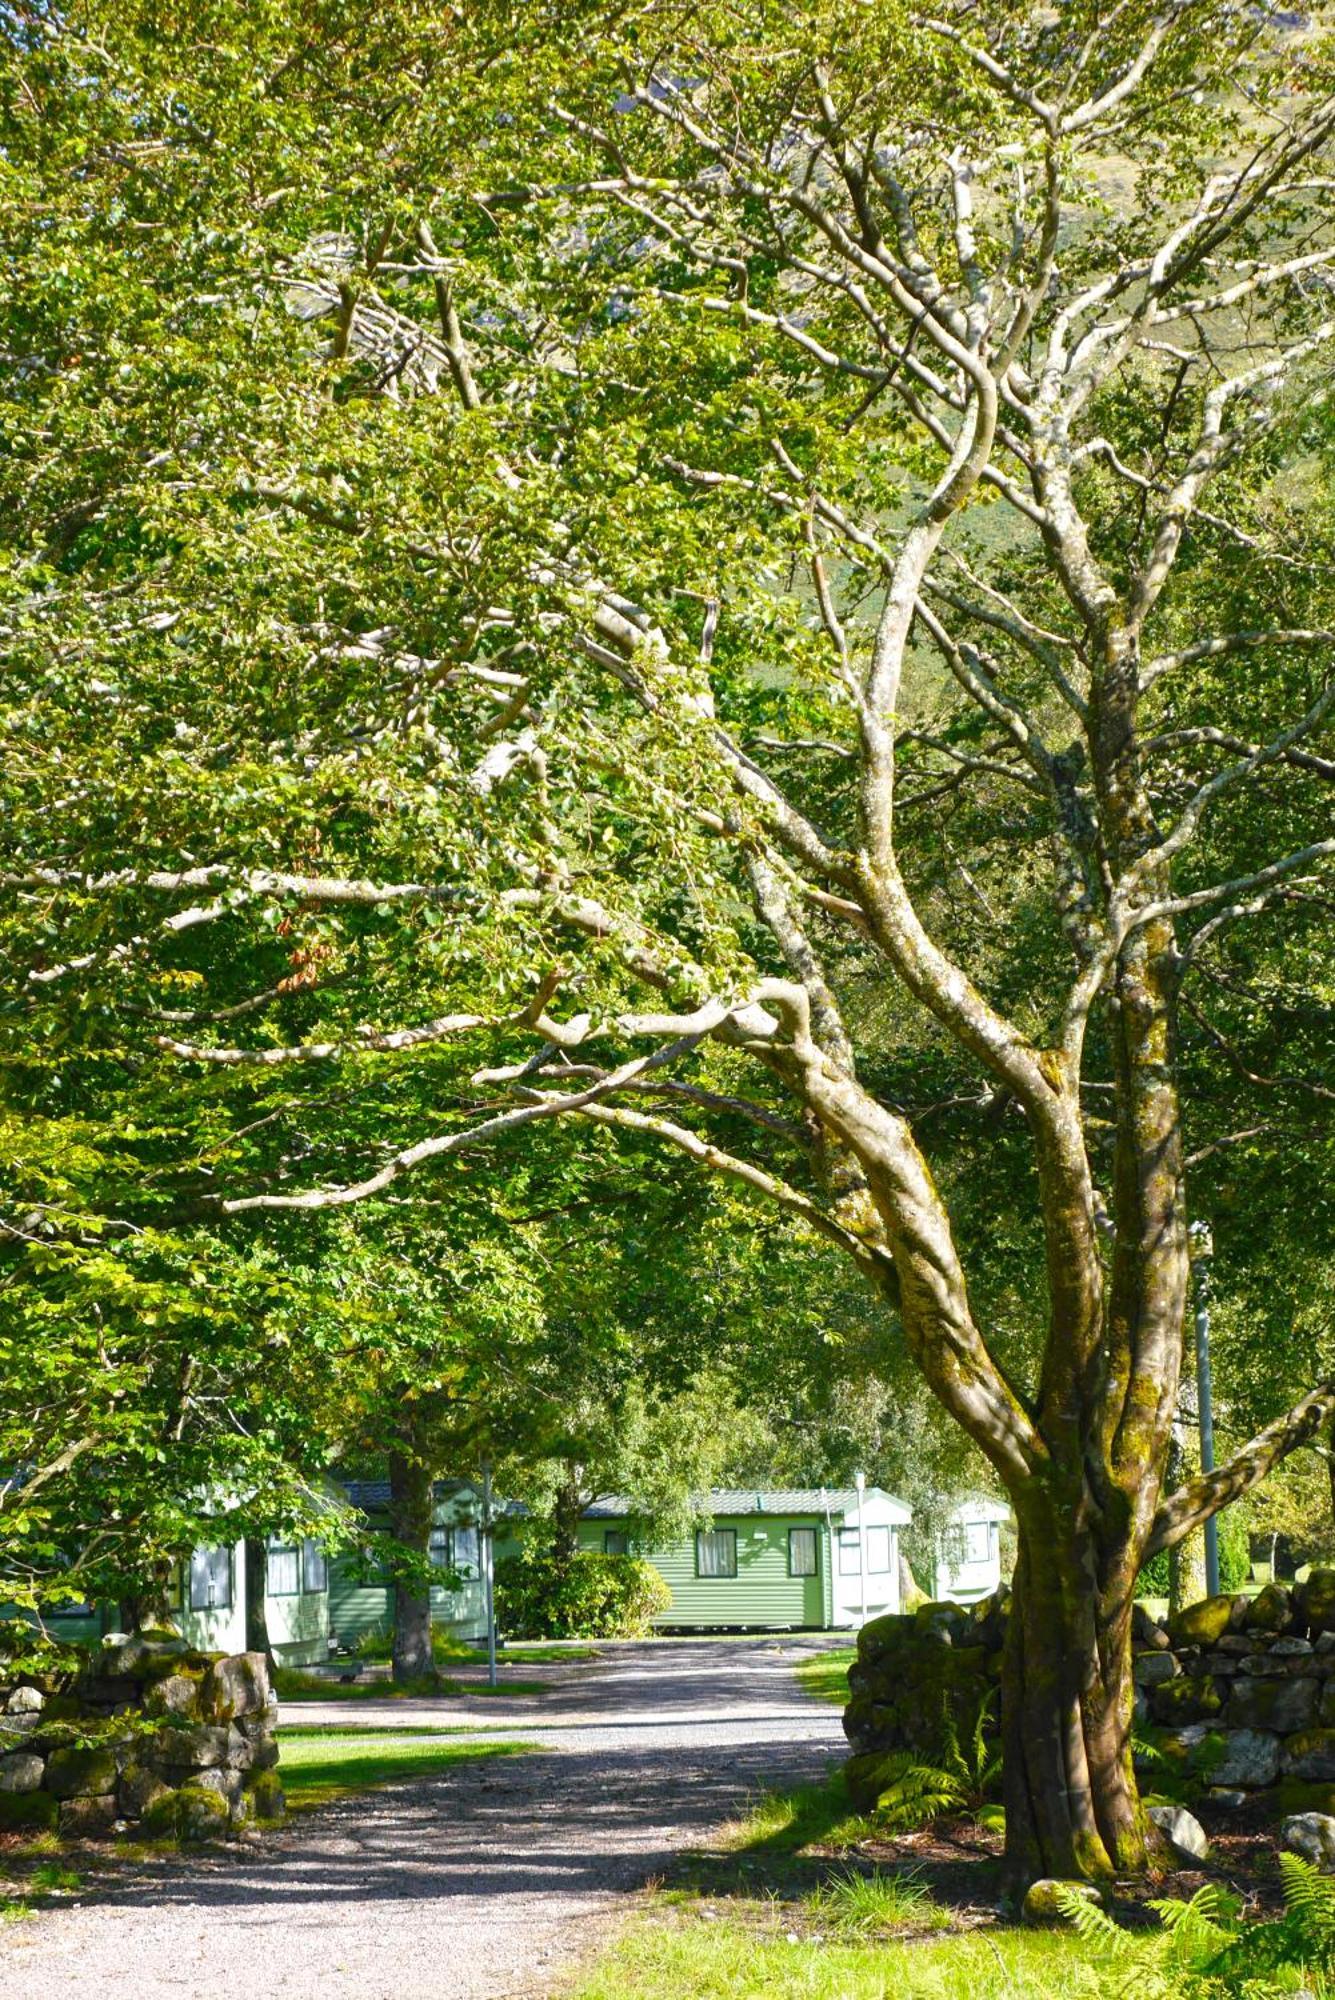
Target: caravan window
[[801, 1552], [977, 1541], [467, 1553], [314, 1566], [878, 1550], [716, 1552], [616, 1542], [211, 1580], [850, 1562], [438, 1548], [284, 1566]]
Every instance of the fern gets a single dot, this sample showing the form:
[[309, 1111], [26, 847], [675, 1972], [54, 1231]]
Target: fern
[[1091, 1922], [913, 1794], [1309, 1898]]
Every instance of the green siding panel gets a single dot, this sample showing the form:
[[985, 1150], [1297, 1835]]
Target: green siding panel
[[761, 1594]]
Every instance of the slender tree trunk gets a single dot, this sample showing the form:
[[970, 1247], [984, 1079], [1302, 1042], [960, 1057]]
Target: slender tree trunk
[[257, 1616], [149, 1607], [1186, 1560], [566, 1514], [410, 1484], [1072, 1808]]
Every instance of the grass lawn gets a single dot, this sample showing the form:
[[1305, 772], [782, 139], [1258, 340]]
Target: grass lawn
[[826, 1674], [789, 1903], [319, 1765], [669, 1954]]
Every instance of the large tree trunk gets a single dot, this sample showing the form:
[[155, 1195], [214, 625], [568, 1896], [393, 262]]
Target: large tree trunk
[[1072, 1808], [410, 1485]]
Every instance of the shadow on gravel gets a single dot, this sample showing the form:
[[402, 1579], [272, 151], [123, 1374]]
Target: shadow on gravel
[[569, 1820]]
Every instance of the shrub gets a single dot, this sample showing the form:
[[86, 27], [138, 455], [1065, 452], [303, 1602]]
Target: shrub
[[1234, 1559], [584, 1596]]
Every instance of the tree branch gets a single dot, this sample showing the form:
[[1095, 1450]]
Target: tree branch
[[1193, 1505]]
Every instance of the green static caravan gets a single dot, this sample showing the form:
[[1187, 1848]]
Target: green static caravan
[[788, 1559], [208, 1603], [361, 1600]]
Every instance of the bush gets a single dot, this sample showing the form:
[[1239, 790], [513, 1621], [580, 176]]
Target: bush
[[585, 1596], [1234, 1559]]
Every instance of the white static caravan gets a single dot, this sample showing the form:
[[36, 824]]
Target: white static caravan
[[864, 1549], [968, 1557]]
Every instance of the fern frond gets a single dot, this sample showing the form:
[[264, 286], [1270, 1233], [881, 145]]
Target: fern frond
[[1091, 1922], [1309, 1897]]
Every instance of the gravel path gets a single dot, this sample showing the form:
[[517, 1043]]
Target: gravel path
[[482, 1883]]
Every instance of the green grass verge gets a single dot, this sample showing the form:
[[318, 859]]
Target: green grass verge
[[667, 1957], [318, 1766], [826, 1674], [785, 1823]]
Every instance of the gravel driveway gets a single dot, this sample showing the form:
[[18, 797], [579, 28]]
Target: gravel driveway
[[482, 1882]]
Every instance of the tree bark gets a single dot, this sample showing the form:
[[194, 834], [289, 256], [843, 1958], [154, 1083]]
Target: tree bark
[[1072, 1807], [257, 1617], [410, 1484], [566, 1515]]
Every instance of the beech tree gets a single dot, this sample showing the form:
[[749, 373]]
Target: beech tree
[[745, 582]]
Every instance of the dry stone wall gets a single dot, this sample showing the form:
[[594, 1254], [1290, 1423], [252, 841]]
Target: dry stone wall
[[1235, 1696], [149, 1736]]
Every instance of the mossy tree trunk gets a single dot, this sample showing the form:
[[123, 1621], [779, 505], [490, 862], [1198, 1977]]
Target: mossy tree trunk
[[410, 1502], [1072, 1806], [257, 1617]]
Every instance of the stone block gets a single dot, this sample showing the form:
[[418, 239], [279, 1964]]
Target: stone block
[[1249, 1758], [73, 1773], [175, 1694], [265, 1792], [198, 1746], [199, 1813], [1286, 1706], [1152, 1669], [1311, 1756], [1202, 1624], [20, 1771], [880, 1635], [139, 1790], [1310, 1834], [1186, 1699], [1271, 1610], [1146, 1632], [88, 1818], [226, 1785], [25, 1701], [236, 1687], [262, 1743], [1183, 1833], [1043, 1899], [1315, 1601]]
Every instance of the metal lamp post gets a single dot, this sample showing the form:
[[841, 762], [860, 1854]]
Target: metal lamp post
[[488, 1573], [860, 1481], [1202, 1250]]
